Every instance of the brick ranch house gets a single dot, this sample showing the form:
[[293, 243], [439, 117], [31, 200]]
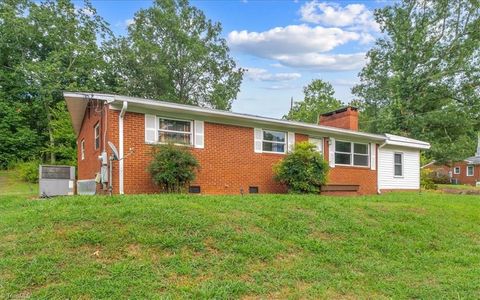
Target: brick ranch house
[[236, 151], [466, 171]]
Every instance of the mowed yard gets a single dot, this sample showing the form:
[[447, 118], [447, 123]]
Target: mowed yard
[[402, 245]]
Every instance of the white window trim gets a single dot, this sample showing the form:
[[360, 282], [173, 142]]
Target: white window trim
[[455, 170], [96, 135], [471, 168], [174, 131], [395, 164], [82, 149], [352, 153], [285, 144]]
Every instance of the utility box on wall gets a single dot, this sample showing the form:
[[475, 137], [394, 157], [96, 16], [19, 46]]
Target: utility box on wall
[[56, 180]]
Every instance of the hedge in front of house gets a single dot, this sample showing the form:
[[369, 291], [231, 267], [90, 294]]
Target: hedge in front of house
[[303, 170]]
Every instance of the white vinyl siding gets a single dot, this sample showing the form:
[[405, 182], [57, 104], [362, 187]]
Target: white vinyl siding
[[386, 168]]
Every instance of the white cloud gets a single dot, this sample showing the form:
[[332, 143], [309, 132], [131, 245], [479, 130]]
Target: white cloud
[[324, 62], [129, 22], [352, 16], [290, 39], [257, 74]]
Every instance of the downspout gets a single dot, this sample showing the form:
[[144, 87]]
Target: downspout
[[120, 147], [378, 167]]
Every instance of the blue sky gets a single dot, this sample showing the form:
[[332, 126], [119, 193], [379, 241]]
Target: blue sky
[[283, 44]]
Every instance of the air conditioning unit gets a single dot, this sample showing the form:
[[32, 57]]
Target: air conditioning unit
[[86, 187], [56, 180], [454, 180]]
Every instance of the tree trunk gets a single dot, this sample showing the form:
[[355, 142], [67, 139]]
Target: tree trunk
[[50, 133]]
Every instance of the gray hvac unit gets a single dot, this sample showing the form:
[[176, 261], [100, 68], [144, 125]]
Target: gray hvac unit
[[56, 180], [86, 187]]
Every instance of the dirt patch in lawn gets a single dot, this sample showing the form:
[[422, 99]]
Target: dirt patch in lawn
[[461, 192]]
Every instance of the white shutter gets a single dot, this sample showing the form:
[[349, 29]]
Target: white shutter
[[331, 153], [373, 161], [291, 141], [318, 144], [199, 140], [151, 129], [258, 137]]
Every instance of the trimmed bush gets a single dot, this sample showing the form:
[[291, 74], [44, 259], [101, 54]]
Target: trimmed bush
[[426, 180], [303, 170], [172, 167], [28, 171]]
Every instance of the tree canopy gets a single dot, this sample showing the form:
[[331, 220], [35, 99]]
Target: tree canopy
[[318, 99], [422, 79], [174, 53]]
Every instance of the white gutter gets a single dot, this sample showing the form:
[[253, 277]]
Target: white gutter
[[120, 147], [378, 167]]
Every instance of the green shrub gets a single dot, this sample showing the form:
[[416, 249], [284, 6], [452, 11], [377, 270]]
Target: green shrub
[[303, 170], [28, 171], [172, 168], [426, 180]]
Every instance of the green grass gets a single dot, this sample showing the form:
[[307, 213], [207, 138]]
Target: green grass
[[399, 245], [458, 187], [10, 184]]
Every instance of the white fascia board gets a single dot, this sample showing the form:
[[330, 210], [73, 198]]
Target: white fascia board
[[160, 105], [420, 145], [87, 96]]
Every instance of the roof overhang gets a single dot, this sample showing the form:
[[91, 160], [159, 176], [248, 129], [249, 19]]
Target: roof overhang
[[77, 103]]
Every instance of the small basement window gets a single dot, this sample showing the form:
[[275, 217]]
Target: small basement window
[[470, 170], [398, 164], [194, 189], [253, 189], [456, 170]]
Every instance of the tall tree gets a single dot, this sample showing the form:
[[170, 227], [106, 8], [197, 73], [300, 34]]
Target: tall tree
[[174, 53], [423, 77], [318, 99], [46, 48]]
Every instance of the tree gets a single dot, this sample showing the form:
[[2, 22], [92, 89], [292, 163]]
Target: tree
[[318, 99], [423, 77], [303, 170], [46, 48], [174, 53]]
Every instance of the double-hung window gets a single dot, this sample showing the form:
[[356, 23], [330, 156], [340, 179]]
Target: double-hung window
[[175, 131], [470, 170], [351, 154], [274, 141], [456, 170], [398, 164], [96, 134]]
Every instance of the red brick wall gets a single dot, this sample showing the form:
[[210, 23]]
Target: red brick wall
[[88, 167], [462, 177], [347, 119], [228, 162]]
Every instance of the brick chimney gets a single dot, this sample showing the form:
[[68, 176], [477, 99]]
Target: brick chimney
[[346, 118]]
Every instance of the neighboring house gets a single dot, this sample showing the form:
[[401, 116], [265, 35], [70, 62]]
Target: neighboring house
[[460, 172], [236, 151]]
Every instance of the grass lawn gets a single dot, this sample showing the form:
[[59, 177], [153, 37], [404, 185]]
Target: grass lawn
[[399, 245], [11, 185], [458, 186]]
